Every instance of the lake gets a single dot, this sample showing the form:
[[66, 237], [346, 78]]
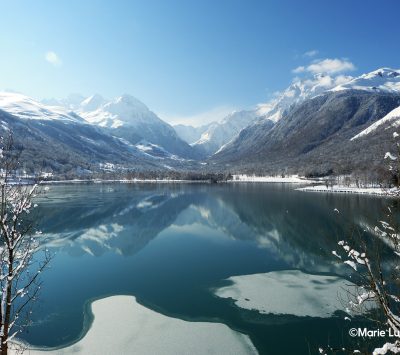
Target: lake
[[173, 245]]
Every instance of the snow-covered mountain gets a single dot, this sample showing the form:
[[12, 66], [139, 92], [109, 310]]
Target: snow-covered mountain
[[55, 139], [327, 122], [130, 119], [209, 138], [267, 114], [299, 91], [218, 134], [121, 111], [191, 134], [380, 80], [315, 123], [27, 108]]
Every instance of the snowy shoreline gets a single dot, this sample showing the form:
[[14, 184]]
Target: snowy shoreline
[[376, 191], [294, 179], [123, 326], [235, 178], [133, 181], [312, 185]]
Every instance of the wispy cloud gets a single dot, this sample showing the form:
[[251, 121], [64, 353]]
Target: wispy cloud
[[53, 58], [326, 66], [311, 53]]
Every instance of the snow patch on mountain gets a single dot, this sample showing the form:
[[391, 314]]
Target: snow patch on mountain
[[205, 137], [392, 119], [155, 151]]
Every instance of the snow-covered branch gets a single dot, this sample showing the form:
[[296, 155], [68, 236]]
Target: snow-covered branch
[[19, 275]]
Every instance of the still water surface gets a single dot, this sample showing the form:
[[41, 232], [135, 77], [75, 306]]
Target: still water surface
[[171, 245]]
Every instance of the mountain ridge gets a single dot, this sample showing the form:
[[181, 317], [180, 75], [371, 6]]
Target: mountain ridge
[[320, 124]]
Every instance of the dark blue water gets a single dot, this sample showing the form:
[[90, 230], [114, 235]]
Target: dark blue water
[[170, 245]]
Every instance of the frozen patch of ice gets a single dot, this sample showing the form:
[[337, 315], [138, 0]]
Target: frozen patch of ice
[[122, 326], [288, 292]]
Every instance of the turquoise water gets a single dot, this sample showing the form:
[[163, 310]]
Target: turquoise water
[[170, 245]]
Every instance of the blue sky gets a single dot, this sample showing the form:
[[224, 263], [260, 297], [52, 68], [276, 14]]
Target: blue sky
[[192, 59]]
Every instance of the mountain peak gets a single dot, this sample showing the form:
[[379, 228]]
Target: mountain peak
[[382, 73], [130, 100], [92, 102], [126, 107], [379, 80], [122, 110]]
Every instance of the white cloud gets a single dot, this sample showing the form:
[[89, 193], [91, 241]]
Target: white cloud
[[327, 66], [199, 119], [264, 108], [299, 69], [311, 53], [53, 58], [324, 81]]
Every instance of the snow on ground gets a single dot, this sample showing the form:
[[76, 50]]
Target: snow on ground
[[343, 189], [254, 178], [288, 292], [122, 326], [124, 181]]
